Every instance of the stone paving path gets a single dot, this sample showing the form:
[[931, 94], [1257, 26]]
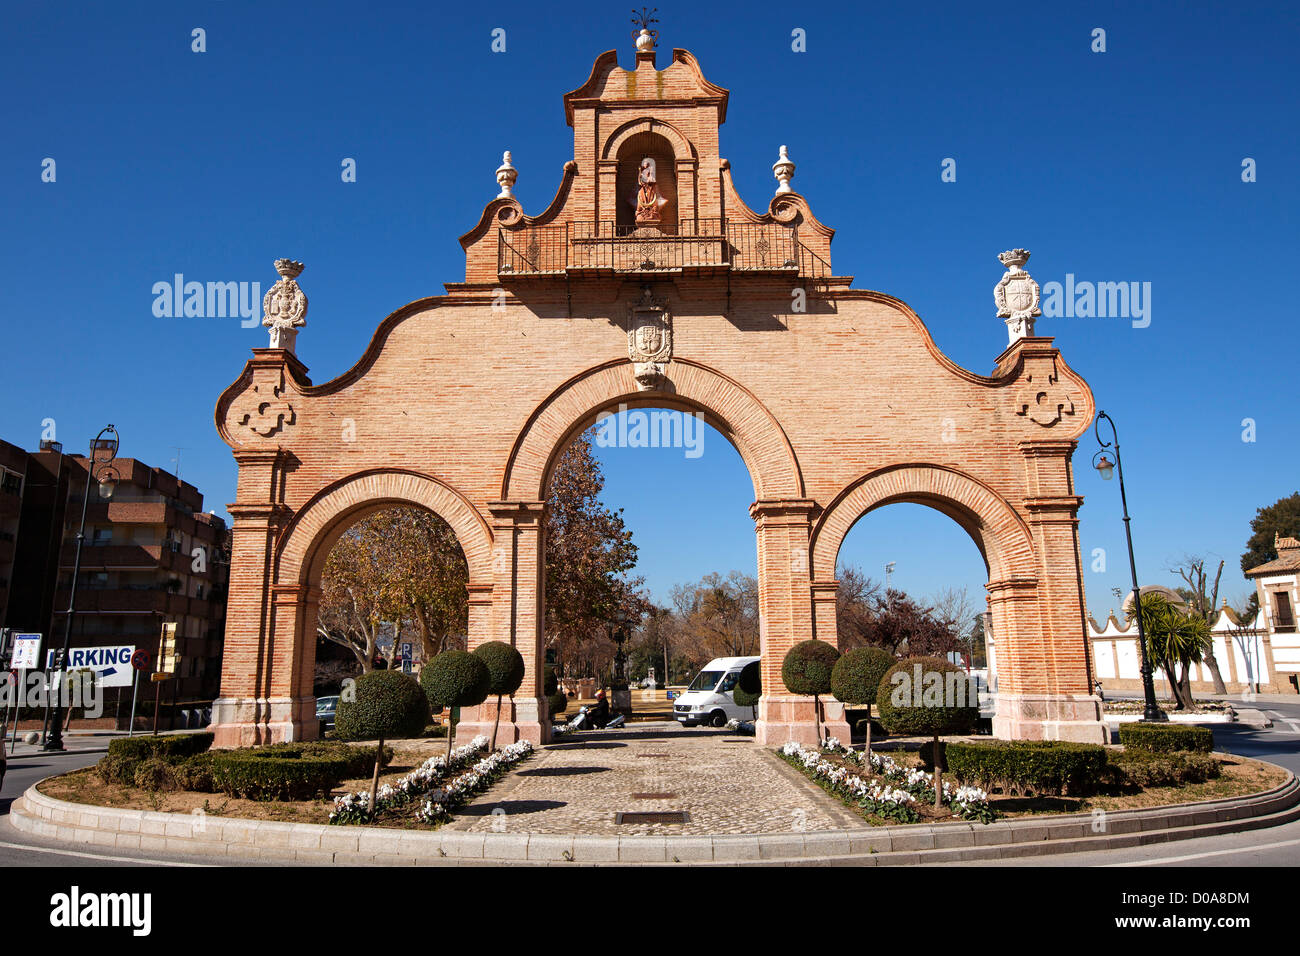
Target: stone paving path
[[726, 784]]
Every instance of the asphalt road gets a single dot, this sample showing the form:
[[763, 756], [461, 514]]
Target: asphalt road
[[1276, 846]]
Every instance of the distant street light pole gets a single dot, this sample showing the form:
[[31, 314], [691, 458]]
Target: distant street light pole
[[99, 468], [1106, 469]]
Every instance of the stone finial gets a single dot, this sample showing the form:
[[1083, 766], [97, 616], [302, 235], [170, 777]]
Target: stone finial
[[285, 306], [506, 176], [646, 38], [783, 170], [1016, 295]]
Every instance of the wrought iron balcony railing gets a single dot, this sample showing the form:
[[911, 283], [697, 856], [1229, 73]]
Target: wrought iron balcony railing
[[700, 245]]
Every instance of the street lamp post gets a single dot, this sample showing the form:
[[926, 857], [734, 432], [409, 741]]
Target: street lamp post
[[99, 468], [1106, 469]]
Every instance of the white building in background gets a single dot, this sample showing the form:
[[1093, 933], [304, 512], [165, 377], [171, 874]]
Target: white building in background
[[1261, 655]]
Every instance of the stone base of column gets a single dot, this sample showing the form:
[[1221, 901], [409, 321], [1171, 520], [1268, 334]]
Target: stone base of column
[[1074, 717], [256, 721], [782, 719], [519, 721]]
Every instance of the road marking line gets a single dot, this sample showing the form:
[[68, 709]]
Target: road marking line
[[95, 856], [1202, 856]]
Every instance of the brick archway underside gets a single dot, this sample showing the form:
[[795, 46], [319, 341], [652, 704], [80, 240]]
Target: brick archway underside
[[992, 523], [691, 387], [306, 543]]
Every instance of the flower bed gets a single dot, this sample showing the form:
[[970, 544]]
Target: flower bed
[[883, 789], [438, 786]]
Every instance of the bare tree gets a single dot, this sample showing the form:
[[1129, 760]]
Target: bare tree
[[1202, 596]]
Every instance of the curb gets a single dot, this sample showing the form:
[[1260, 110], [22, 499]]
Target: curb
[[247, 841]]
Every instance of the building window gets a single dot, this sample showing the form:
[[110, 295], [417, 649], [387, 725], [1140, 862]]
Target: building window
[[1283, 617], [11, 483]]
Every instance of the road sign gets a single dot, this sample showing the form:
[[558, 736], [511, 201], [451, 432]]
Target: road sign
[[140, 660], [109, 662], [167, 649], [27, 652], [406, 657]]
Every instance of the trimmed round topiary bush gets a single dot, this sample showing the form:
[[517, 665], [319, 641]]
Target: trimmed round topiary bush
[[1165, 738], [557, 703], [749, 687], [807, 668], [505, 666], [385, 704], [927, 696], [458, 679], [550, 683], [505, 673], [435, 706], [856, 677]]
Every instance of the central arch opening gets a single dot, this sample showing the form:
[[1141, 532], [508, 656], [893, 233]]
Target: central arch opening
[[657, 499]]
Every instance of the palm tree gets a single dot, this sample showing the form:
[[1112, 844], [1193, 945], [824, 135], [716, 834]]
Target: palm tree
[[1174, 640]]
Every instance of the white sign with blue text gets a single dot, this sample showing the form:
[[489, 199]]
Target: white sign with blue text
[[112, 665]]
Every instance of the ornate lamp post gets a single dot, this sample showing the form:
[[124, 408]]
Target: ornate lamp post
[[1107, 469], [99, 468]]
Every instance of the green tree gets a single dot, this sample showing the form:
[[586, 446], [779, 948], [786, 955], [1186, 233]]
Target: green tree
[[589, 553], [749, 687], [1175, 641], [807, 669], [1282, 518], [1202, 596], [940, 705], [456, 679], [505, 667], [856, 677], [384, 704]]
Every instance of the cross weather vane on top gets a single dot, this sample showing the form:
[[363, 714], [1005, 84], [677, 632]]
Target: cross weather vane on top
[[643, 20]]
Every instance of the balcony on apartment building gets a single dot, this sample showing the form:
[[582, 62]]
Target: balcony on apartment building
[[692, 246], [168, 556], [140, 599]]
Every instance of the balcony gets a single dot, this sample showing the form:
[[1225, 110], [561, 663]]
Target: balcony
[[699, 246]]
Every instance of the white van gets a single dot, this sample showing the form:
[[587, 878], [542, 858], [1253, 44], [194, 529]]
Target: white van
[[708, 699]]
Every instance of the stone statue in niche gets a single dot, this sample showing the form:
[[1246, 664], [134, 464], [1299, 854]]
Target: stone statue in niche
[[647, 199]]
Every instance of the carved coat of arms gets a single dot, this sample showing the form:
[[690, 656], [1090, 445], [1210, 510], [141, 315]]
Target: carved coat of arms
[[649, 339], [1016, 295]]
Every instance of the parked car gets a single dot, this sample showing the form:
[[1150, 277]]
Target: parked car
[[326, 708], [709, 698]]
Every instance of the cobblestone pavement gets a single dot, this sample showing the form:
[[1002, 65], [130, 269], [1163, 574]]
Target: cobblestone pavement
[[726, 784]]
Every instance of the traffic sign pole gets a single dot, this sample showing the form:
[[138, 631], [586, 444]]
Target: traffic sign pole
[[135, 686]]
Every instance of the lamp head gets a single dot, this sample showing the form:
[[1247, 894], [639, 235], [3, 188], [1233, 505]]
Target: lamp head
[[1105, 467]]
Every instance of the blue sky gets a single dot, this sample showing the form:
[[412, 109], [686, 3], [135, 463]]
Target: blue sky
[[1115, 166]]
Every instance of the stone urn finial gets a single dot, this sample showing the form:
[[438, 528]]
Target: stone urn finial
[[646, 38], [285, 306], [1016, 295], [506, 176], [783, 170]]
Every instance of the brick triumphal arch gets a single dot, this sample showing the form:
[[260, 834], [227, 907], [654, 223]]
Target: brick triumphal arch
[[649, 282]]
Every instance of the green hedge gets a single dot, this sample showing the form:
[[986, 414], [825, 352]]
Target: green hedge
[[126, 754], [557, 703], [1166, 738], [196, 773], [1142, 768], [271, 773], [1040, 767], [167, 746], [154, 773]]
